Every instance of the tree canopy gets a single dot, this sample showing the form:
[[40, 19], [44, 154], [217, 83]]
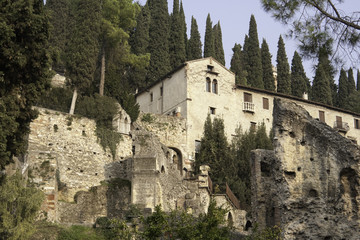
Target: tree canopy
[[318, 23]]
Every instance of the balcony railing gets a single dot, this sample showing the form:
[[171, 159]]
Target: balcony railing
[[341, 126], [248, 107]]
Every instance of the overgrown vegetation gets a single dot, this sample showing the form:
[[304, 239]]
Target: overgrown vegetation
[[19, 205], [230, 163]]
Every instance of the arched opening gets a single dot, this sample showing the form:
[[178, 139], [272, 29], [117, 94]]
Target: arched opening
[[230, 220], [177, 158], [127, 125], [162, 169], [349, 190], [215, 86], [208, 84]]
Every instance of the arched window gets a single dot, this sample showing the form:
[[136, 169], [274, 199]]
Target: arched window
[[215, 86], [208, 85]]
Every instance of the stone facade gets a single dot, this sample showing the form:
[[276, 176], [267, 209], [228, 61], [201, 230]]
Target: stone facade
[[309, 185], [189, 91], [64, 152]]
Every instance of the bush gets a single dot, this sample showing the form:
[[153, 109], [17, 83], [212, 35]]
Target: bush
[[58, 99], [79, 233]]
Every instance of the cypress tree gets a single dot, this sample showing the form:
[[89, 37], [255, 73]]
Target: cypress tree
[[140, 39], [283, 69], [159, 40], [209, 49], [253, 57], [299, 81], [177, 51], [268, 74], [321, 91], [218, 45], [237, 65], [59, 11], [194, 45], [351, 81], [343, 92], [184, 28], [358, 81], [83, 48], [329, 70]]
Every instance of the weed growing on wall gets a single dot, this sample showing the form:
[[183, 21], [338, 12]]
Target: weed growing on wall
[[108, 138]]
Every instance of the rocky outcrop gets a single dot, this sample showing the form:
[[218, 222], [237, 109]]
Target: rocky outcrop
[[309, 184]]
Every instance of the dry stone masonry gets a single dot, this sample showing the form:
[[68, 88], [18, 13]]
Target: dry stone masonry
[[309, 185]]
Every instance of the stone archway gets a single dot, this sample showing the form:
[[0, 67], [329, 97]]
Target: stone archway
[[178, 159]]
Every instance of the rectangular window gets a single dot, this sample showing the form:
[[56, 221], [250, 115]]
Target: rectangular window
[[265, 103], [252, 126], [151, 97], [322, 116], [161, 91], [212, 110], [197, 146], [210, 68], [339, 122], [247, 97], [356, 123]]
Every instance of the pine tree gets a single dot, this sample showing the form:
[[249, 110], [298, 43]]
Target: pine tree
[[343, 92], [24, 71], [351, 81], [177, 51], [83, 48], [268, 74], [218, 45], [253, 57], [299, 81], [159, 40], [59, 11], [194, 45], [283, 69], [209, 48], [237, 65], [321, 91]]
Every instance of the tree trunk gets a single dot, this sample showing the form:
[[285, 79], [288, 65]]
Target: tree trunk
[[73, 101], [102, 77]]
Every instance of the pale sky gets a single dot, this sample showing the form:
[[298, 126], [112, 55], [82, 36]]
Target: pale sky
[[234, 17]]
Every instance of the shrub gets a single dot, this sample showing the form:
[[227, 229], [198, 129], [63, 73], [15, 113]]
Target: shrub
[[57, 98]]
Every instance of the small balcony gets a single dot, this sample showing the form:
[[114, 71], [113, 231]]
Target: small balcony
[[341, 126], [249, 107]]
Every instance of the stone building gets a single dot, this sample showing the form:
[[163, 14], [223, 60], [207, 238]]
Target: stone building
[[204, 86]]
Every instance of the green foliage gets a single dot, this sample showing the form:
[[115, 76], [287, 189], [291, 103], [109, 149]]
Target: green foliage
[[358, 81], [283, 69], [209, 48], [194, 50], [83, 46], [352, 103], [351, 81], [269, 233], [79, 233], [299, 82], [237, 65], [59, 12], [268, 73], [24, 71], [177, 39], [56, 98], [321, 91], [100, 108], [315, 24], [329, 72], [159, 41], [218, 45], [343, 92], [181, 225], [108, 138], [147, 117], [252, 56], [19, 206]]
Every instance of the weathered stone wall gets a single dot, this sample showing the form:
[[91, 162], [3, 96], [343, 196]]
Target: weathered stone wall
[[64, 152], [310, 186]]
